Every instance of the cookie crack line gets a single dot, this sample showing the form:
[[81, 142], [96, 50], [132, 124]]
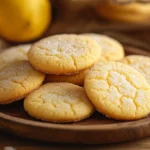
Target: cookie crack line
[[117, 87], [120, 109], [95, 77], [15, 74], [129, 81], [122, 95], [43, 101], [12, 78], [48, 54], [19, 83], [71, 107], [42, 48], [64, 101], [134, 100], [74, 62]]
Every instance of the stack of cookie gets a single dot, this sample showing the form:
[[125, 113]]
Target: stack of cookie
[[115, 89], [65, 57], [111, 50]]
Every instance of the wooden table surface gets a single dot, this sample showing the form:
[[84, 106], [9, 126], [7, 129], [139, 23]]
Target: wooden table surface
[[7, 140]]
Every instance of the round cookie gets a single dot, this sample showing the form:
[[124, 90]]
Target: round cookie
[[74, 78], [64, 54], [59, 102], [140, 63], [132, 12], [17, 79], [118, 91], [111, 48], [14, 54]]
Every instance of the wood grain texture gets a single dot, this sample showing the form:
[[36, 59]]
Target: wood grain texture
[[95, 130], [26, 144]]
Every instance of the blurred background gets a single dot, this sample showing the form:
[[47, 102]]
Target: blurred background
[[26, 21]]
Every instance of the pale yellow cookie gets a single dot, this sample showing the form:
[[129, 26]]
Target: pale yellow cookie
[[111, 48], [118, 91], [132, 12], [59, 102], [14, 54], [77, 78], [64, 54], [17, 79], [140, 63]]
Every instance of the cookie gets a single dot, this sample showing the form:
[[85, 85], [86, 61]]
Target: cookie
[[14, 54], [64, 54], [118, 91], [59, 102], [132, 12], [140, 63], [17, 79], [111, 48], [77, 78]]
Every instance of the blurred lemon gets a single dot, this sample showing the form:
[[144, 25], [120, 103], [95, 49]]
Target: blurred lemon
[[24, 20]]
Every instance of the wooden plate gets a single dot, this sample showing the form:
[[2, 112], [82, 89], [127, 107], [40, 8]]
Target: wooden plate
[[95, 130]]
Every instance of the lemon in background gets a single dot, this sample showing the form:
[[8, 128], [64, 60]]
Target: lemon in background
[[24, 20]]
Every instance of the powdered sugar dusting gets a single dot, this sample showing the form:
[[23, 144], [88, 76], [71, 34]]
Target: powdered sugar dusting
[[64, 46]]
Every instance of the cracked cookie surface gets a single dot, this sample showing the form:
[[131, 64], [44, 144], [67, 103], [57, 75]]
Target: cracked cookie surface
[[59, 102], [17, 80], [140, 63], [64, 54], [111, 48], [12, 54], [118, 91]]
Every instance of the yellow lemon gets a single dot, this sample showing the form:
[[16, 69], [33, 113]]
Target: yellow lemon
[[24, 20]]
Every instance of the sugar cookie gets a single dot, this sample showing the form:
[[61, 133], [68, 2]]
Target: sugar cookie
[[64, 54], [59, 102], [17, 79], [14, 54], [132, 12], [77, 78], [111, 48], [118, 91], [140, 63]]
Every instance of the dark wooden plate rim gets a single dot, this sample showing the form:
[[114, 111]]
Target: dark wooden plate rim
[[125, 125]]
